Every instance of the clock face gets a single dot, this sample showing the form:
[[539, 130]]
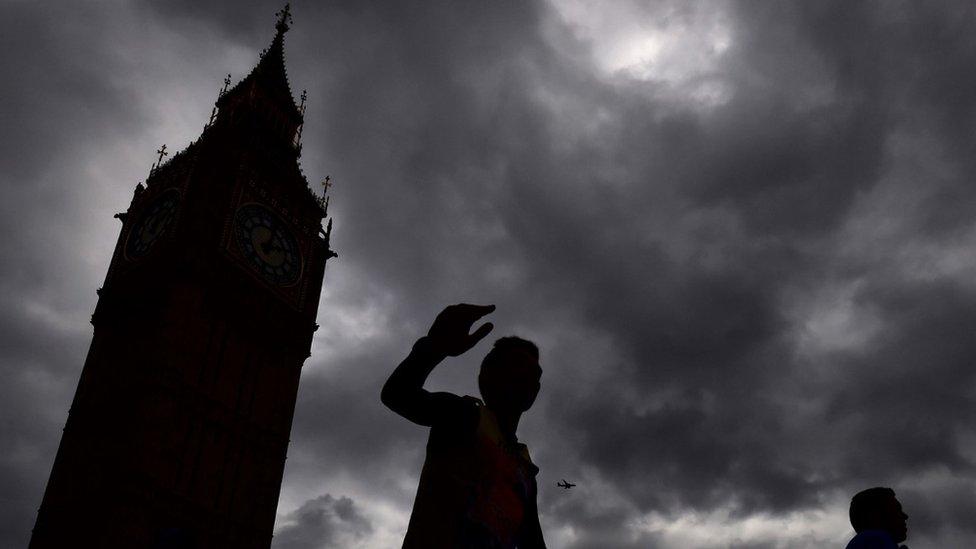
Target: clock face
[[153, 223], [267, 244]]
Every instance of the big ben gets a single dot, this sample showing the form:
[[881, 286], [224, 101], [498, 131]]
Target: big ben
[[178, 430]]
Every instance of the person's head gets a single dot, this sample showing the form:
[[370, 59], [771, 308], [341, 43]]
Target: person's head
[[510, 374], [878, 509]]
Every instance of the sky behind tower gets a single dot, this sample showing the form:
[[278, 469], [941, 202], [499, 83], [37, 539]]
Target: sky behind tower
[[741, 233]]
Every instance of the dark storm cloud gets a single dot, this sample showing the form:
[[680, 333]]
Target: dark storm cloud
[[672, 258], [717, 339], [907, 396]]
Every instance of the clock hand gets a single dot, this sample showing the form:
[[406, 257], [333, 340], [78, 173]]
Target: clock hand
[[274, 247], [268, 248]]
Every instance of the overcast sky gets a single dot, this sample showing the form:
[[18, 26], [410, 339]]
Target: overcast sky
[[741, 233]]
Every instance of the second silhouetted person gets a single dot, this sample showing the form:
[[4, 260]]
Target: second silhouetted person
[[878, 519]]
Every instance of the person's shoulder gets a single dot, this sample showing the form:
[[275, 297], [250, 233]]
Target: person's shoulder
[[872, 539], [456, 412]]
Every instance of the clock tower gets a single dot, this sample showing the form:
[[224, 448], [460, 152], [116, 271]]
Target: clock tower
[[179, 427]]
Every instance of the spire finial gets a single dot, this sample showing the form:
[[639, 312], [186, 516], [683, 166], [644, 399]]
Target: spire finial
[[324, 199], [301, 107], [284, 19], [213, 111], [161, 152]]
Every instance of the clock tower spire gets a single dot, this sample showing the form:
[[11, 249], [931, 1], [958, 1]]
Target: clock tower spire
[[179, 427]]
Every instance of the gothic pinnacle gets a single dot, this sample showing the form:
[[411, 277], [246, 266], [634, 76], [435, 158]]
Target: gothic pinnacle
[[284, 19]]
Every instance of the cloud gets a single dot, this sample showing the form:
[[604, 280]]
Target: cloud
[[322, 523]]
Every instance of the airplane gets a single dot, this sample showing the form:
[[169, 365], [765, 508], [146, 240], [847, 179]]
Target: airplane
[[565, 485]]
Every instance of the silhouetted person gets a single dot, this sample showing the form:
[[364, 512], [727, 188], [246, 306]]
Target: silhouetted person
[[878, 519], [477, 488]]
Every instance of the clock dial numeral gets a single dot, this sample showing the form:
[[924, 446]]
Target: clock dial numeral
[[269, 247]]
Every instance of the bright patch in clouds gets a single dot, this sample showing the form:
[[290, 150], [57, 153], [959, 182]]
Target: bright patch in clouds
[[679, 44], [720, 528], [831, 319]]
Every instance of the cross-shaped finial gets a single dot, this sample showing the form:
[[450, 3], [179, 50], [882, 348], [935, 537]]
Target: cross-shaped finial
[[302, 106], [326, 185], [161, 152], [284, 18], [213, 111]]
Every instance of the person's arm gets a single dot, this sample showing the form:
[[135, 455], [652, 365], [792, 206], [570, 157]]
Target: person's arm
[[404, 392], [450, 335]]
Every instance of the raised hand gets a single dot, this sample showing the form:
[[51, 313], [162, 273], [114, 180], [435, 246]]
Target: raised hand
[[451, 332]]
